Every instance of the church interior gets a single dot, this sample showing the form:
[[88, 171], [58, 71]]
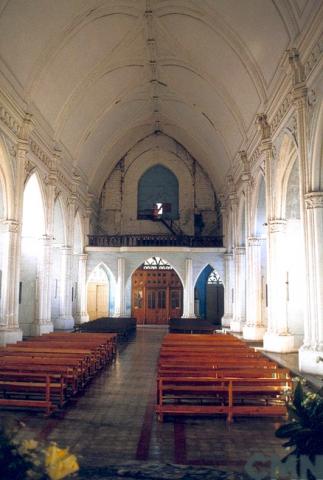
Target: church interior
[[161, 168]]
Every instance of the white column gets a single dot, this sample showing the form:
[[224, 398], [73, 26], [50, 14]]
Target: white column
[[81, 313], [9, 326], [240, 290], [42, 323], [254, 330], [65, 320], [188, 293], [228, 290], [311, 353], [120, 300], [277, 338]]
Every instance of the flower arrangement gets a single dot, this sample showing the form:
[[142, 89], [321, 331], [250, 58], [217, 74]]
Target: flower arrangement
[[28, 459]]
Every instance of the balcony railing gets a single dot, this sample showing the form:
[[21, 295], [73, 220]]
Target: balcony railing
[[154, 241]]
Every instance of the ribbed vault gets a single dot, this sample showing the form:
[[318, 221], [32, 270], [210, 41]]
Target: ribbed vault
[[103, 74]]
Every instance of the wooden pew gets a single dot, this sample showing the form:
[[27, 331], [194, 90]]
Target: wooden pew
[[43, 389], [176, 395]]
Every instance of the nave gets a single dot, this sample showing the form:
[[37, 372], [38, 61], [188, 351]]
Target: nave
[[114, 421]]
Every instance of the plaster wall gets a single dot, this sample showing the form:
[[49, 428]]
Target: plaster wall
[[118, 212]]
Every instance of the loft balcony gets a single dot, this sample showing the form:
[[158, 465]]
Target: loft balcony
[[155, 241]]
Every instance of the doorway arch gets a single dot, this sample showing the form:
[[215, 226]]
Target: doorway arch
[[98, 294], [209, 296]]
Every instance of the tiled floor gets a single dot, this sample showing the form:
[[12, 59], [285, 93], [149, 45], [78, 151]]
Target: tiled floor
[[114, 420]]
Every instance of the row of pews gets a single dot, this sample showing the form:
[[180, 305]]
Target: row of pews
[[218, 374], [45, 372]]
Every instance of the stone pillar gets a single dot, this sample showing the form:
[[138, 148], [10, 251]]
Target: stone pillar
[[42, 323], [277, 337], [65, 320], [188, 294], [120, 301], [254, 330], [9, 326], [228, 290], [240, 290], [81, 312], [311, 353]]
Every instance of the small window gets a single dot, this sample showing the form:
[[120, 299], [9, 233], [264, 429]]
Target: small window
[[175, 299], [151, 299], [161, 298]]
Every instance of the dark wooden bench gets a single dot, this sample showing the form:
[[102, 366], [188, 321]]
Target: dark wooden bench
[[208, 395], [31, 390]]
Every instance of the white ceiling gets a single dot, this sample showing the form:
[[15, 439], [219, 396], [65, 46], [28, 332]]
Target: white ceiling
[[105, 74]]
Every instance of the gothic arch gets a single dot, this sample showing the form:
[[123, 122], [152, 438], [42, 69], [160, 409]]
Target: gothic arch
[[258, 216], [158, 184], [286, 158], [316, 168], [60, 203], [6, 181]]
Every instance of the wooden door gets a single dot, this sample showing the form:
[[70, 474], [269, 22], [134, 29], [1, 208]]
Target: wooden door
[[153, 300], [97, 300]]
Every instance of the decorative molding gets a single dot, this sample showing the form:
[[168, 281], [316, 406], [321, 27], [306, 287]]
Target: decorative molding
[[314, 200], [240, 250], [282, 111], [314, 57], [255, 241], [40, 154], [277, 225], [29, 166], [255, 155], [8, 119], [12, 225]]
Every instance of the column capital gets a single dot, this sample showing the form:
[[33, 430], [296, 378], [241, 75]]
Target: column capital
[[277, 225], [314, 200], [228, 256], [13, 226], [83, 256], [240, 250], [254, 241]]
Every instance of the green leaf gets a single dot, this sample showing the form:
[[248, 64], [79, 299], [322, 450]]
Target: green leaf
[[298, 396], [288, 430]]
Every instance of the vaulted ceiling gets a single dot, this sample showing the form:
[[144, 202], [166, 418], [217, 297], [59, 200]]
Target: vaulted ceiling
[[105, 74]]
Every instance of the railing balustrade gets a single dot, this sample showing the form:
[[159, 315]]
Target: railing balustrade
[[154, 241]]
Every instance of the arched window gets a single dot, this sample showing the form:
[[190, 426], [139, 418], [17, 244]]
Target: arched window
[[156, 263], [214, 279], [33, 218], [158, 186]]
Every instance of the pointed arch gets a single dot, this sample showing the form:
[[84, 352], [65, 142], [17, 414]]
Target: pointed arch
[[259, 207], [286, 158], [6, 181], [158, 185], [96, 281], [59, 226], [34, 205], [164, 258]]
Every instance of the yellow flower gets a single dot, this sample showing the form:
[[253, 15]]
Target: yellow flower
[[59, 462], [30, 444]]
